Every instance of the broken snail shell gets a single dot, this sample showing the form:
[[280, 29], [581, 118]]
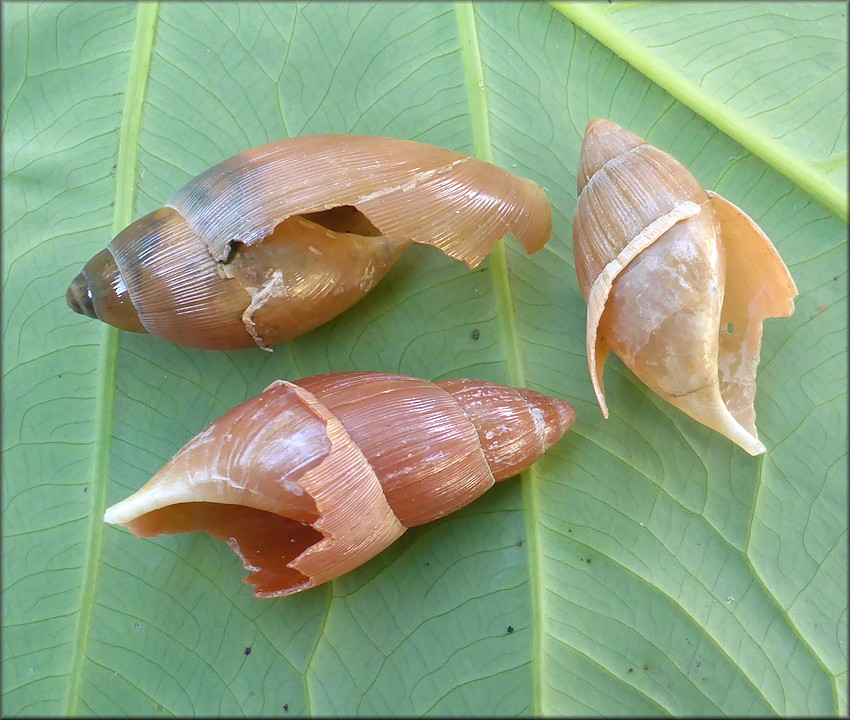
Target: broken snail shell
[[311, 479], [281, 238], [677, 281]]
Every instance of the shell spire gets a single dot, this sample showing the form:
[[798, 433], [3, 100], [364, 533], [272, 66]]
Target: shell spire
[[677, 280], [310, 479]]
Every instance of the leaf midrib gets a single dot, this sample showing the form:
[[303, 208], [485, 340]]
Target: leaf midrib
[[125, 195], [483, 150], [808, 175]]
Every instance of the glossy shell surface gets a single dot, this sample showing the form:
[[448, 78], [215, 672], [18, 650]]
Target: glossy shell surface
[[677, 280], [279, 239], [311, 479]]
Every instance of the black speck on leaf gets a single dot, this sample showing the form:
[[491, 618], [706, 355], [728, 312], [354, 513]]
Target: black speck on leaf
[[588, 561], [631, 669], [475, 334], [519, 543], [510, 629], [646, 666], [285, 707], [247, 651]]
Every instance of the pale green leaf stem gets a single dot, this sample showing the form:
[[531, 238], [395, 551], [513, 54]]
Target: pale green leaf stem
[[483, 149], [125, 193], [592, 17]]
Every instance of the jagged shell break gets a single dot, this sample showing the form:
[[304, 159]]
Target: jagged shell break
[[281, 238], [677, 281], [310, 479]]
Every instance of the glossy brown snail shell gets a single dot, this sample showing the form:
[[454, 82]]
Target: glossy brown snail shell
[[677, 281], [311, 479], [281, 238]]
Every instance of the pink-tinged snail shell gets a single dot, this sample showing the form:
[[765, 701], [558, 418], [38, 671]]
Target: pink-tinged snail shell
[[677, 281], [311, 479], [281, 238]]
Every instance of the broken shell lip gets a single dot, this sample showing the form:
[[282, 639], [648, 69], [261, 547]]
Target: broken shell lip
[[309, 285], [790, 287], [370, 173]]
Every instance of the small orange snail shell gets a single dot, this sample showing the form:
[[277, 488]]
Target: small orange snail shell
[[281, 238], [311, 479], [677, 281]]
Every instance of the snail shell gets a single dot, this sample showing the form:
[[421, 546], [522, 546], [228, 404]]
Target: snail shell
[[677, 281], [281, 238], [311, 479]]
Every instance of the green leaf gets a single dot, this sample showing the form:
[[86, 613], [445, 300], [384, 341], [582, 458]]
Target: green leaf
[[645, 565]]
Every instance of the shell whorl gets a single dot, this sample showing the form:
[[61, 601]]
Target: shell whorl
[[407, 189], [337, 466]]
